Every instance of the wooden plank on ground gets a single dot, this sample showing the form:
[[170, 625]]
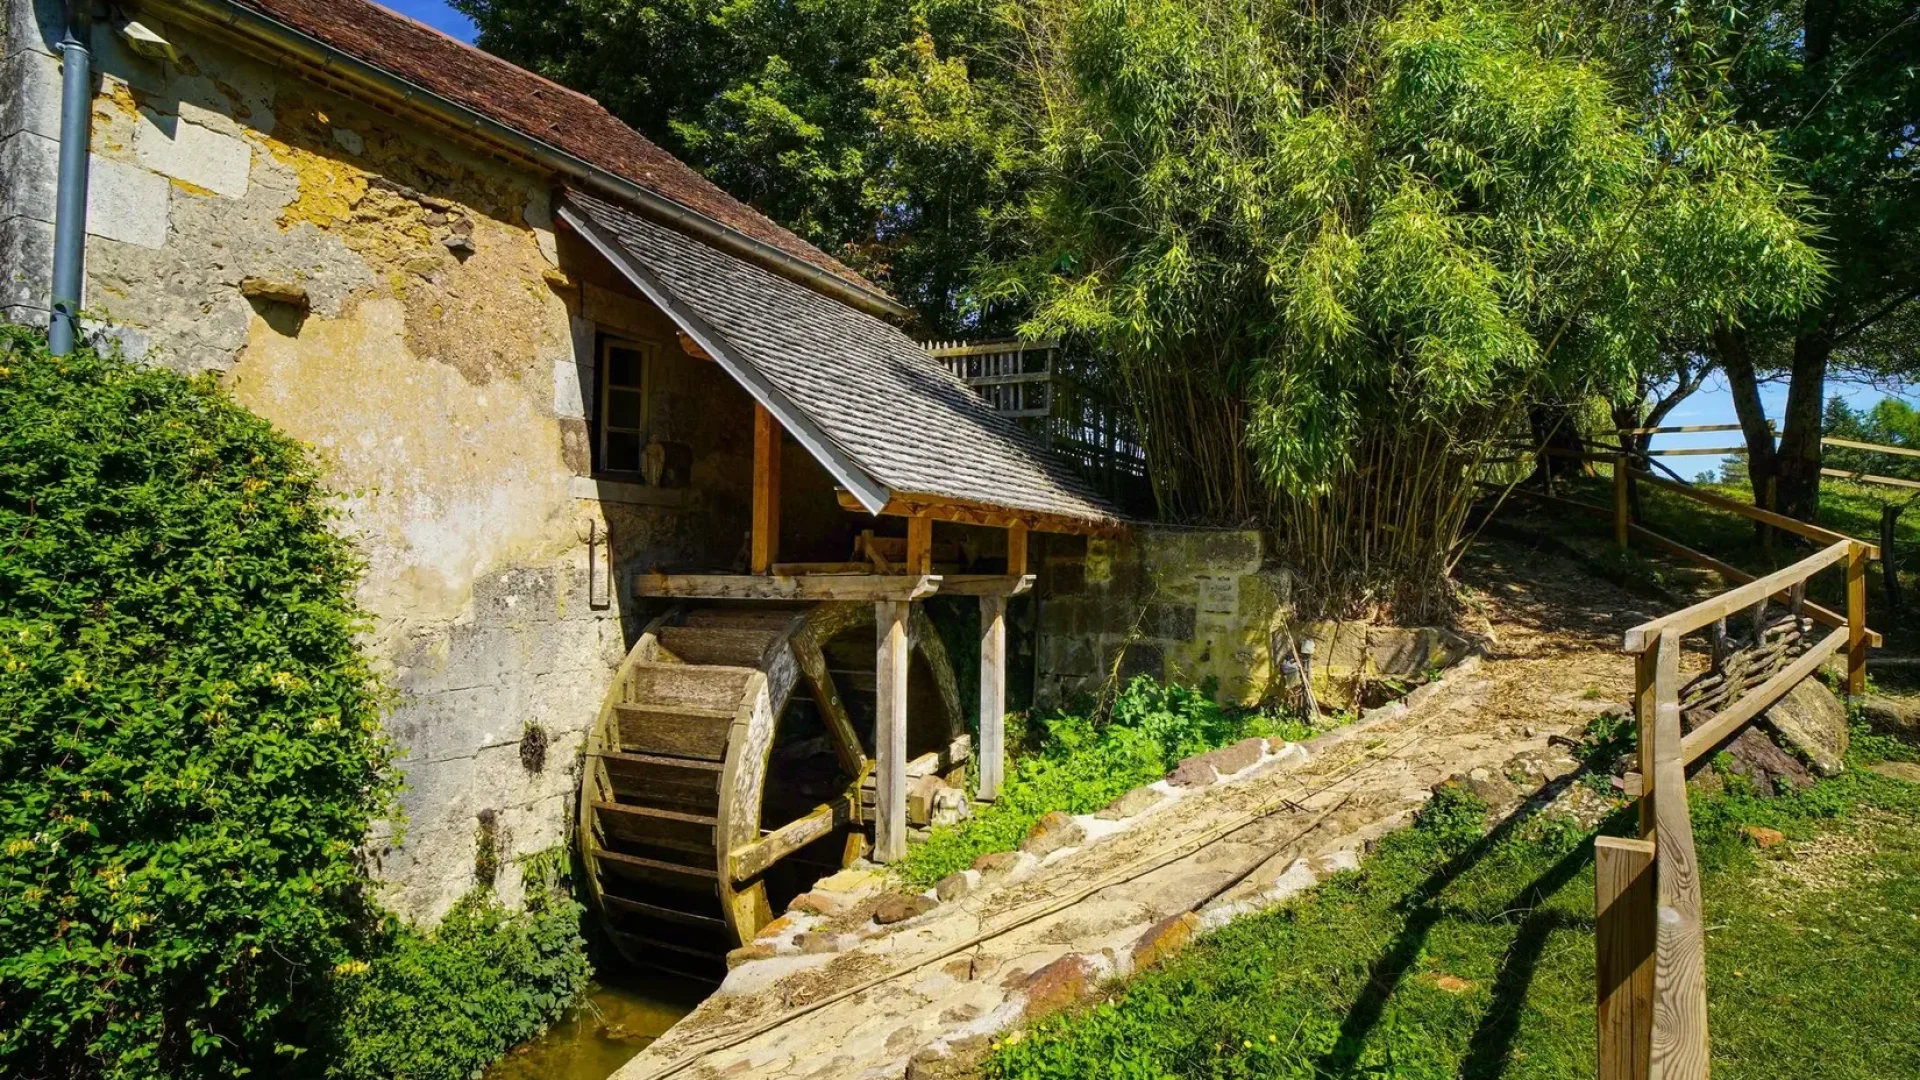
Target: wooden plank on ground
[[1623, 905]]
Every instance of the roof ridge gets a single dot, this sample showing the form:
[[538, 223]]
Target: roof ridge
[[471, 47]]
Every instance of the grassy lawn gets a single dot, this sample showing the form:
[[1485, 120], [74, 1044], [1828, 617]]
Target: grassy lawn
[[1077, 763], [1455, 952]]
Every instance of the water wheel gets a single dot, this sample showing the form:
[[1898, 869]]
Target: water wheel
[[724, 775]]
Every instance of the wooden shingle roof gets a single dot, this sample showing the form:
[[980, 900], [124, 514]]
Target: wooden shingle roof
[[885, 418]]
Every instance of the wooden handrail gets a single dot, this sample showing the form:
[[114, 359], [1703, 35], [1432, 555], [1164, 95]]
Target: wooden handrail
[[1733, 506], [1877, 447], [1824, 615], [1687, 620], [1869, 478]]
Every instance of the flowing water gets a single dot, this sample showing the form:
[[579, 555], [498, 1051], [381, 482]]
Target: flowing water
[[612, 1023]]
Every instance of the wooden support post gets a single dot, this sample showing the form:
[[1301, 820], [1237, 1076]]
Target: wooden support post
[[1644, 703], [920, 545], [766, 489], [1017, 549], [1620, 516], [1678, 1049], [993, 694], [1856, 620], [1623, 906], [890, 730]]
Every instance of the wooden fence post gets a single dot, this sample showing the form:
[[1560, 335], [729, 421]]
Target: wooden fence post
[[1679, 1043], [1620, 515], [1645, 664], [1623, 907], [890, 729], [1856, 620], [993, 694]]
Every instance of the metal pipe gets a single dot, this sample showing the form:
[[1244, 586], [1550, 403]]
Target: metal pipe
[[238, 20], [70, 202]]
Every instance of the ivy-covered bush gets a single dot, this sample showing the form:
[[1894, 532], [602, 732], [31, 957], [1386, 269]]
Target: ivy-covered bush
[[444, 1004], [190, 747]]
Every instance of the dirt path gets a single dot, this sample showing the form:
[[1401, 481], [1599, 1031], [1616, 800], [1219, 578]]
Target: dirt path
[[924, 997]]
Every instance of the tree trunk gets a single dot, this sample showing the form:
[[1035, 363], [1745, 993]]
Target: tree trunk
[[1890, 566], [1554, 429], [1799, 459], [1736, 359]]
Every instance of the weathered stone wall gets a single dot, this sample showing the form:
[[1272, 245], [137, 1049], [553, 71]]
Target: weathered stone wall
[[404, 306], [1182, 604]]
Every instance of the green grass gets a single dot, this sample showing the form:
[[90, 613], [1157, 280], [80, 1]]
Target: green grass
[[1078, 763], [1453, 952]]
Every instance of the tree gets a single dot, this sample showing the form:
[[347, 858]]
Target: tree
[[873, 128], [1835, 84], [1335, 253]]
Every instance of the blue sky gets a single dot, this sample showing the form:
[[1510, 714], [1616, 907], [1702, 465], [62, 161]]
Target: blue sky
[[1712, 405], [434, 13]]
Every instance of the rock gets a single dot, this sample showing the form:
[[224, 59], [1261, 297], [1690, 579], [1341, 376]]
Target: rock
[[959, 969], [1059, 985], [1241, 755], [1898, 770], [960, 1014], [747, 954], [818, 903], [1487, 786], [954, 886], [1768, 768], [1814, 723], [1164, 939], [1898, 717], [814, 942], [848, 882], [958, 1058], [996, 864], [920, 792], [1196, 771], [274, 290], [776, 928], [1763, 837], [899, 907], [950, 807], [1054, 830], [1133, 803]]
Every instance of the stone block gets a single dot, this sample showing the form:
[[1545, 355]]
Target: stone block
[[30, 168], [1140, 658], [1232, 759], [995, 865], [173, 145], [519, 594], [1054, 830], [1175, 622], [31, 101], [815, 942], [127, 203], [818, 903], [1814, 722], [26, 267], [1899, 717], [31, 25], [1164, 939], [899, 907], [1133, 803], [1060, 985], [1196, 771], [955, 885], [748, 953], [569, 393]]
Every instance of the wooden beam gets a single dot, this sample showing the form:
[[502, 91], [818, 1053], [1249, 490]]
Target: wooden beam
[[890, 729], [984, 584], [1679, 1041], [1621, 515], [1623, 906], [1732, 506], [805, 587], [1823, 615], [1878, 447], [973, 513], [766, 489], [747, 863], [1856, 621], [1687, 620], [1869, 478], [1714, 731], [1645, 668], [1017, 548], [920, 545], [993, 694], [691, 347], [1681, 429]]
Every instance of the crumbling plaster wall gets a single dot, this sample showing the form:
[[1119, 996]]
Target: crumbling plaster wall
[[402, 305], [1173, 603]]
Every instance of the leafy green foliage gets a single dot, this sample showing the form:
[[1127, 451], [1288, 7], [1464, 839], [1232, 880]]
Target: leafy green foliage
[[444, 1004], [190, 746], [1080, 763], [1454, 952]]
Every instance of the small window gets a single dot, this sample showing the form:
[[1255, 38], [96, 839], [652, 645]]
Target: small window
[[622, 415]]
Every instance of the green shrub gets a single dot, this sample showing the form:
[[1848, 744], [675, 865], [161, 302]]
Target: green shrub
[[1079, 763], [190, 747], [444, 1004]]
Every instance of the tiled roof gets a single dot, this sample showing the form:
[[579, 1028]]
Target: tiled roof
[[533, 106], [880, 400]]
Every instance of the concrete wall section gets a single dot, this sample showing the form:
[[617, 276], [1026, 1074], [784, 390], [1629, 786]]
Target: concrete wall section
[[1177, 604], [404, 306]]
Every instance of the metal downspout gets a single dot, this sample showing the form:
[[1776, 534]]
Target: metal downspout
[[70, 204]]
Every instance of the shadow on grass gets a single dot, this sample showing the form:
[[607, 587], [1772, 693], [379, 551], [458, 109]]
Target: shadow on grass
[[1490, 1049]]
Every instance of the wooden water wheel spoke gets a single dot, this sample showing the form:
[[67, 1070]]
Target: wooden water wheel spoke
[[682, 763]]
